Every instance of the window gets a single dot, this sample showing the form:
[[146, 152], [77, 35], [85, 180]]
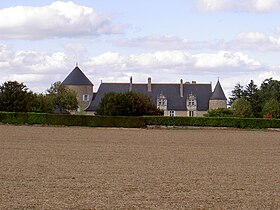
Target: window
[[191, 102], [161, 102], [86, 97], [172, 113], [191, 113]]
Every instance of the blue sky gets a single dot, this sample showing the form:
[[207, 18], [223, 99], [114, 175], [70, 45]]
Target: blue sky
[[40, 41]]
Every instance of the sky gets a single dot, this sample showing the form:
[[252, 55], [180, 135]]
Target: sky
[[112, 40]]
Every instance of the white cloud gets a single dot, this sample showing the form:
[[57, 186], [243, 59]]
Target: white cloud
[[238, 5], [144, 62], [226, 59], [266, 5], [59, 19], [254, 41], [212, 6], [171, 65], [36, 69]]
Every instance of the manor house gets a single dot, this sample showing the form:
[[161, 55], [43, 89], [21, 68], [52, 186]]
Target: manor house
[[175, 99]]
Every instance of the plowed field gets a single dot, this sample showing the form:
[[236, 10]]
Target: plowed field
[[91, 168]]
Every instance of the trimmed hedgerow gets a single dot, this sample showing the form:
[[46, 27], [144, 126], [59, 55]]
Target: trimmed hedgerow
[[71, 120], [135, 122], [234, 122]]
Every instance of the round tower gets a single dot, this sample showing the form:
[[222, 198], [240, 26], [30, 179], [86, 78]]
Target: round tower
[[218, 98], [78, 82]]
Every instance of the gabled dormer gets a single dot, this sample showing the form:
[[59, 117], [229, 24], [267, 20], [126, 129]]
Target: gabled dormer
[[191, 102], [162, 102]]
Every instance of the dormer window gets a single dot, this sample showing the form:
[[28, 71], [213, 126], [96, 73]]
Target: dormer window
[[161, 102], [191, 102]]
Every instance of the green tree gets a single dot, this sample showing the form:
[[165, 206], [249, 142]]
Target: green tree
[[43, 103], [15, 97], [236, 93], [63, 98], [242, 108], [127, 104], [272, 107], [270, 89], [251, 93], [220, 112]]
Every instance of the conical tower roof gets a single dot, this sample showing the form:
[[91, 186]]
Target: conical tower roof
[[76, 77], [218, 93]]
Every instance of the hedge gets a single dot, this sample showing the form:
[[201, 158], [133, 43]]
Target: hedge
[[71, 120], [235, 122], [135, 122]]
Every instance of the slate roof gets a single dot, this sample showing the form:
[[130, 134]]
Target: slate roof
[[202, 92], [76, 77], [218, 93]]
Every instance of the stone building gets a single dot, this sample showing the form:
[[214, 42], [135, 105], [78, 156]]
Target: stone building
[[175, 99]]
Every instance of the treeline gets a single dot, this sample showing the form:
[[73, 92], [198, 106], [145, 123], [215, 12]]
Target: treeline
[[245, 101], [16, 97], [253, 101]]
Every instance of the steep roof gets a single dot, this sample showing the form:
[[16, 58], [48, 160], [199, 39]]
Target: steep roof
[[170, 91], [76, 77], [218, 93]]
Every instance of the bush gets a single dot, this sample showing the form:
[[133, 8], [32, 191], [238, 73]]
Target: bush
[[242, 108], [272, 107]]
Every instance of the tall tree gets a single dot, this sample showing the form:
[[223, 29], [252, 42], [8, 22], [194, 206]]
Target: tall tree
[[63, 98], [251, 93], [250, 90], [15, 97], [270, 89], [236, 93]]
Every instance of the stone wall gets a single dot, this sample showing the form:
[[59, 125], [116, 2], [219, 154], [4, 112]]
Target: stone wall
[[215, 104]]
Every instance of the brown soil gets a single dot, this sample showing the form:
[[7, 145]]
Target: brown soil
[[90, 168]]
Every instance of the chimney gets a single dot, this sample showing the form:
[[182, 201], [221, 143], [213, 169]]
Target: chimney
[[130, 84], [149, 84], [181, 89]]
